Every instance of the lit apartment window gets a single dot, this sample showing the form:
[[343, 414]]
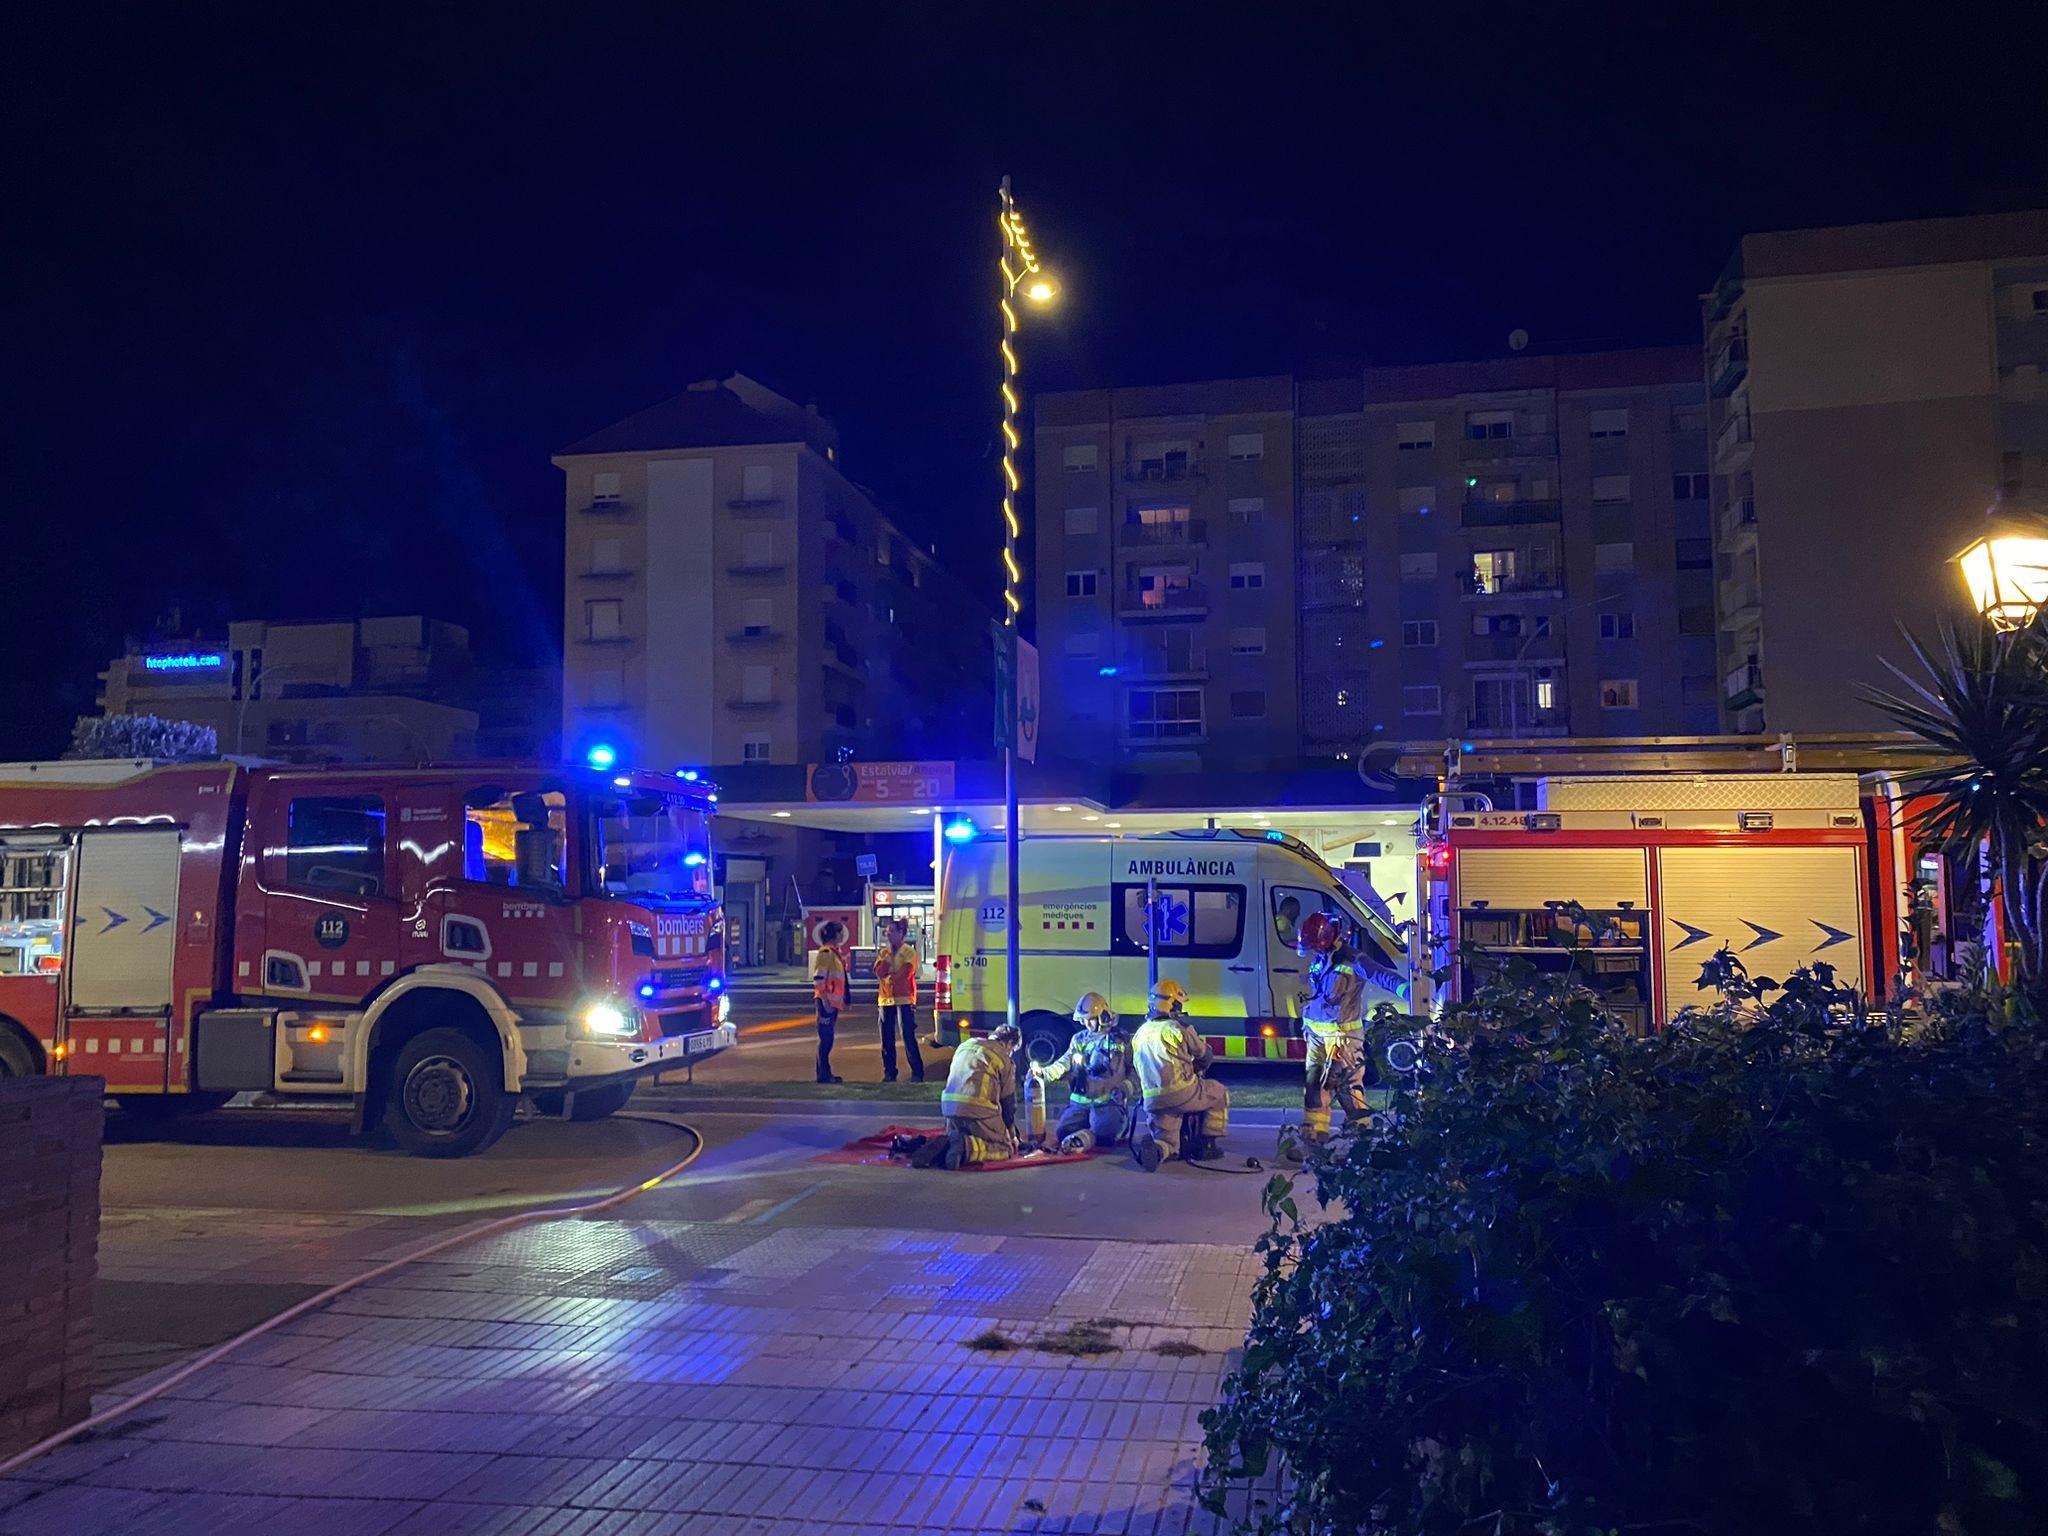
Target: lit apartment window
[[1493, 571], [1689, 487], [1617, 626], [1246, 447], [1481, 425], [1080, 583], [1248, 704], [1246, 511], [1422, 699], [757, 482], [1415, 434], [1418, 633], [1618, 693], [605, 486], [1086, 644], [604, 618], [1610, 488], [1248, 640], [757, 749], [1418, 498], [1614, 557], [1247, 575], [1164, 714], [1079, 456], [607, 557], [1418, 567], [1546, 693], [1609, 423], [1081, 520], [607, 688]]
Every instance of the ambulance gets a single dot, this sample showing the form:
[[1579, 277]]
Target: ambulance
[[1230, 904]]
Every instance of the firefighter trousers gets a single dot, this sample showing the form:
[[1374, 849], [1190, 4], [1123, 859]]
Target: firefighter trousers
[[1104, 1124], [983, 1138], [1336, 1066], [1209, 1100]]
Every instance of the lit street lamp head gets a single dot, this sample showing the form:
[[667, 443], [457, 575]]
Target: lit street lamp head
[[1041, 289], [2007, 575]]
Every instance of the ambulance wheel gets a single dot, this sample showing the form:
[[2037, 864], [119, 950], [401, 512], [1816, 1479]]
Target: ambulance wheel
[[1046, 1037], [16, 1059], [446, 1096], [591, 1103]]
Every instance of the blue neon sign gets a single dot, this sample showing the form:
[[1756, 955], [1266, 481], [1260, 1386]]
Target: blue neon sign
[[186, 661]]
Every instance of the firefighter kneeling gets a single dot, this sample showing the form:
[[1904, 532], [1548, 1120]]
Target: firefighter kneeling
[[1171, 1058], [1332, 1019], [981, 1099], [1100, 1082]]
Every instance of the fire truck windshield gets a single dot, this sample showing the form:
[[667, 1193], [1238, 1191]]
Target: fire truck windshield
[[650, 845]]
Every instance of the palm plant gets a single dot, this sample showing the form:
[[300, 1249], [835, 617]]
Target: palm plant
[[1980, 711]]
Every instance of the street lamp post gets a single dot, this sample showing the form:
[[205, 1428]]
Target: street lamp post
[[1020, 277]]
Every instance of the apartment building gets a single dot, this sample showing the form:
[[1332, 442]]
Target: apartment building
[[1165, 574], [1876, 390], [732, 597]]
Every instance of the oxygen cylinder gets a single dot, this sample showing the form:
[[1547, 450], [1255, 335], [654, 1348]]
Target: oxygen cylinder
[[1034, 1114]]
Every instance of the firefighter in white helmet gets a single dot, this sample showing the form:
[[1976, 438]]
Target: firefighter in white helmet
[[1101, 1082], [980, 1099], [1170, 1058], [1333, 1022]]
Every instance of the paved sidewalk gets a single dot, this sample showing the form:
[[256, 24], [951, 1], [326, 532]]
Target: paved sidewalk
[[658, 1376]]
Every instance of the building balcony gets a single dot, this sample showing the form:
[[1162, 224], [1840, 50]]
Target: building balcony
[[1733, 444], [1529, 445], [1741, 603], [607, 573], [756, 570], [1162, 738], [1170, 471], [757, 635], [1188, 600], [1187, 664], [605, 506], [589, 639], [757, 506], [1730, 366], [1744, 685], [746, 706], [1738, 523], [842, 658], [1528, 649], [1509, 514], [1511, 723], [1536, 584], [1179, 533]]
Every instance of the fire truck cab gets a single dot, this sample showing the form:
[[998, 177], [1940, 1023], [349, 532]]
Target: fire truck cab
[[425, 944]]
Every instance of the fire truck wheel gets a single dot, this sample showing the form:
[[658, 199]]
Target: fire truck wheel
[[446, 1097], [16, 1059]]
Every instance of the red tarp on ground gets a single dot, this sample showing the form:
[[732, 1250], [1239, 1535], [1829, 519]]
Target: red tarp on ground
[[875, 1149]]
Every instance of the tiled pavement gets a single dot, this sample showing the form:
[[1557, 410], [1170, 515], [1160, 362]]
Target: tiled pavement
[[653, 1377]]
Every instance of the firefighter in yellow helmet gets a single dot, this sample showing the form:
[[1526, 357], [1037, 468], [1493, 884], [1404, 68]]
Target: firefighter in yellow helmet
[[1101, 1082], [1333, 1022], [981, 1099], [1170, 1058]]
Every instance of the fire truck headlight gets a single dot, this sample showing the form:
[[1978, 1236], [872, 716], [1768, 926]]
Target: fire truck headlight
[[724, 1009], [608, 1019]]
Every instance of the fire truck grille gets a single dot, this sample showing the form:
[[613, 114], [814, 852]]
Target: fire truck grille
[[682, 1021]]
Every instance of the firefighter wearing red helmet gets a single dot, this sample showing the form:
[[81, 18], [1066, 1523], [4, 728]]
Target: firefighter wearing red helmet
[[1333, 1022]]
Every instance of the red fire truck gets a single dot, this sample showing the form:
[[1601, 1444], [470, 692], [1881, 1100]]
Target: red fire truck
[[424, 944]]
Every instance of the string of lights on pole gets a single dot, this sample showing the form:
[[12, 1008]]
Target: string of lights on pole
[[1022, 277]]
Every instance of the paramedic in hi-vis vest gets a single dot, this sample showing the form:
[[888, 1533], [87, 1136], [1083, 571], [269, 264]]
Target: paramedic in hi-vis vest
[[1332, 1020], [1170, 1058], [1100, 1079], [980, 1099], [828, 986], [896, 998]]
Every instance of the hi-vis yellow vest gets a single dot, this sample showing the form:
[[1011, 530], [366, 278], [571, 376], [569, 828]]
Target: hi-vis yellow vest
[[1164, 1058]]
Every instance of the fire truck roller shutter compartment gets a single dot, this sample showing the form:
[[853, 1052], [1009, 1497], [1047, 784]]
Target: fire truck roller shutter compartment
[[1777, 908], [1598, 879], [125, 930]]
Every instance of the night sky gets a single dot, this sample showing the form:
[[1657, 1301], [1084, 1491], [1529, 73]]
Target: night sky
[[299, 300]]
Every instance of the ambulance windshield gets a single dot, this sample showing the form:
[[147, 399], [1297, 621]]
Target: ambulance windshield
[[651, 845]]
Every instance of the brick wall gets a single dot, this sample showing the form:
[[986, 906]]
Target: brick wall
[[49, 1247]]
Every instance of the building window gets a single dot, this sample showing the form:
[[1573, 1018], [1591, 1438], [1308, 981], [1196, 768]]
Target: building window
[[1617, 626], [607, 557], [1481, 425], [757, 685], [1086, 644], [757, 616], [1081, 520], [1608, 423], [757, 482], [1247, 575], [1165, 714], [1695, 554], [1246, 511], [1415, 434], [1618, 693], [335, 843], [1248, 704], [1079, 456], [1247, 447], [1422, 699], [1688, 418], [1162, 586], [1698, 620], [757, 749], [1493, 571], [1249, 640], [1418, 498], [1080, 583], [605, 487], [1546, 693], [1418, 633], [1610, 488], [1690, 487], [757, 549], [604, 618], [1497, 625], [1418, 567], [2040, 301], [1614, 557], [607, 688], [1161, 461]]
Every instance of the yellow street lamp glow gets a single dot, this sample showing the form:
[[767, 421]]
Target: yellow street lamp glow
[[1041, 290], [2007, 576]]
